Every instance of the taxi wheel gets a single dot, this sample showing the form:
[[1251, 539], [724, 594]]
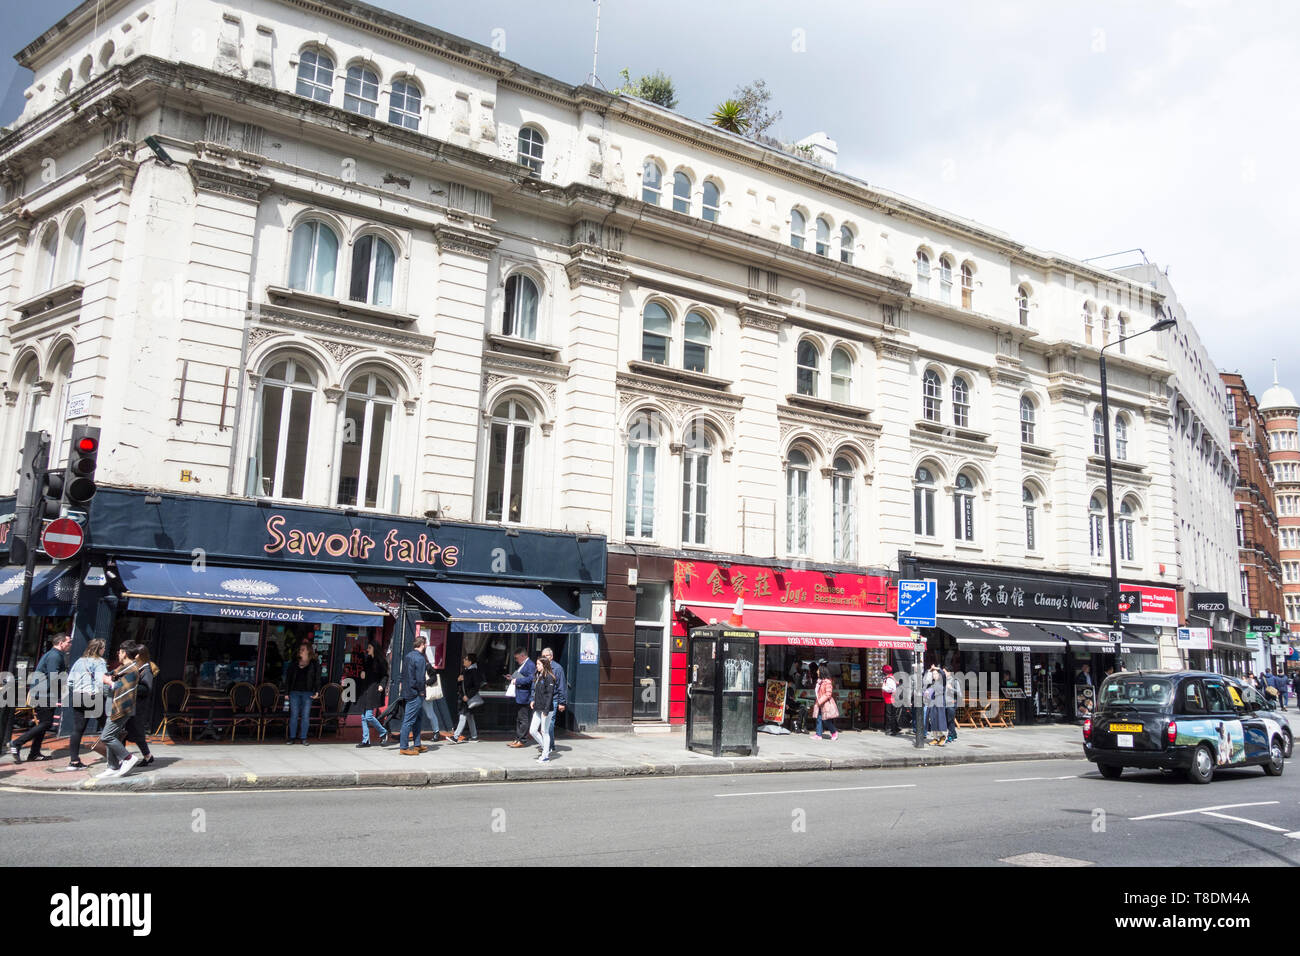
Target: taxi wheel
[[1202, 768], [1288, 745], [1110, 771], [1275, 760]]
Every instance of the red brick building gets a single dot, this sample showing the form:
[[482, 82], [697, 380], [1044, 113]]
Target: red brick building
[[1257, 514]]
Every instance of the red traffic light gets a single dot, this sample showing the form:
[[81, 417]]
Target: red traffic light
[[87, 444]]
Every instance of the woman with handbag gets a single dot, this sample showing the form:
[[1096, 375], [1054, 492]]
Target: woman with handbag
[[84, 680], [542, 702], [825, 709], [435, 708], [470, 698]]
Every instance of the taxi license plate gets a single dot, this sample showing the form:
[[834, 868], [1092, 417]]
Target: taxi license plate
[[1126, 728]]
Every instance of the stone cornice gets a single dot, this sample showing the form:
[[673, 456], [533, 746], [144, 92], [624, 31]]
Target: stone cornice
[[892, 348], [584, 270], [757, 317], [512, 364], [948, 441], [292, 321], [462, 242], [826, 421], [225, 181], [678, 391]]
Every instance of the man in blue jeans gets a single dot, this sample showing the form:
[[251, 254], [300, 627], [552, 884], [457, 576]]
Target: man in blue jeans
[[561, 697], [413, 665]]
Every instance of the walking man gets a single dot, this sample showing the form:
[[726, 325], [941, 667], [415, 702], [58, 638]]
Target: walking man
[[561, 695], [525, 671], [122, 687], [46, 688], [413, 665]]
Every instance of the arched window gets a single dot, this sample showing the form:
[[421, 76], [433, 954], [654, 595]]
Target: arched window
[[931, 396], [922, 273], [520, 317], [1030, 501], [61, 390], [699, 335], [656, 333], [845, 512], [798, 503], [923, 502], [1089, 320], [823, 237], [807, 362], [288, 392], [364, 440], [798, 227], [963, 508], [967, 286], [1122, 331], [945, 280], [315, 75], [841, 376], [642, 457], [681, 193], [1096, 527], [507, 473], [404, 104], [1125, 531], [1022, 304], [846, 245], [712, 206], [372, 271], [960, 402], [74, 241], [696, 459], [314, 258], [361, 91], [33, 398], [1098, 434], [652, 182], [1121, 437], [1027, 416], [47, 256], [531, 148], [1105, 326]]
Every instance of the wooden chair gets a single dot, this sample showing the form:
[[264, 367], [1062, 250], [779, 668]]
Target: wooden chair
[[175, 700], [243, 708], [270, 708], [332, 709]]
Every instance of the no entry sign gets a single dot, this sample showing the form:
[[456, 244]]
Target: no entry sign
[[62, 538]]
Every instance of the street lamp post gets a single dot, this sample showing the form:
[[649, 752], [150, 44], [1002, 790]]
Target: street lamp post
[[1165, 323]]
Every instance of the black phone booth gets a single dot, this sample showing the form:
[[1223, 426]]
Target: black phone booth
[[720, 714]]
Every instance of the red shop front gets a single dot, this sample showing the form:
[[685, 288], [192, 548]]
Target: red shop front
[[801, 616]]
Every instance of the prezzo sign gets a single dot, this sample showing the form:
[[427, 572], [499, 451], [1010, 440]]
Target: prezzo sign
[[1209, 602], [1154, 607]]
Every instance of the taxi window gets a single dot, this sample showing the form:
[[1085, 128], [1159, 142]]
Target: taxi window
[[1191, 698], [1136, 691], [1216, 696], [1251, 697]]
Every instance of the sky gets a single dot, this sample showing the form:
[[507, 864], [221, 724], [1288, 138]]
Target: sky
[[1084, 128]]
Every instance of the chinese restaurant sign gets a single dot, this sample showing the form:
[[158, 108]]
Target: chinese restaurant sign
[[976, 591], [698, 582]]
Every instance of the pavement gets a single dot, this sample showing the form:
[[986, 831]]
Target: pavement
[[194, 767]]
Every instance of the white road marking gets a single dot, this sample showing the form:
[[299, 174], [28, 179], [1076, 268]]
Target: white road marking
[[1043, 859], [1253, 823], [1072, 776], [773, 793], [1225, 806]]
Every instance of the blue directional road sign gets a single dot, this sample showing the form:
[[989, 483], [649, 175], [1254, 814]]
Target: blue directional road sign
[[918, 602]]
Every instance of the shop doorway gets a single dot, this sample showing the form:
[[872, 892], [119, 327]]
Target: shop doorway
[[647, 682]]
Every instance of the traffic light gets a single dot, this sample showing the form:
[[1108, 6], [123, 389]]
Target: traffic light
[[31, 475], [78, 482]]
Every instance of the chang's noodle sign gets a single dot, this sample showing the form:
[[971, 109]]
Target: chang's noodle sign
[[421, 550]]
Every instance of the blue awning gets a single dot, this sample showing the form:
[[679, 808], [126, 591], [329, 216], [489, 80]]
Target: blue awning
[[54, 591], [497, 610], [250, 594]]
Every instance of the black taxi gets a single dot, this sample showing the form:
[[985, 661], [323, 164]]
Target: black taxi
[[1193, 721]]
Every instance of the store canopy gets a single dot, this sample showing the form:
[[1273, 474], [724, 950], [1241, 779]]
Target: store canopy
[[988, 634], [497, 610], [1142, 640], [817, 628], [1086, 637], [54, 591], [250, 594]]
